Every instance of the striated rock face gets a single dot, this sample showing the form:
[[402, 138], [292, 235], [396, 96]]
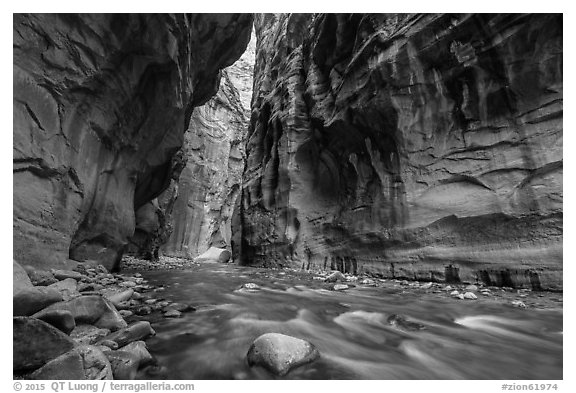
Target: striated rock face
[[101, 104], [201, 202], [417, 146]]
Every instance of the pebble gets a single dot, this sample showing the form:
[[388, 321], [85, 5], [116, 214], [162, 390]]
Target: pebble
[[126, 313], [460, 296], [426, 286], [250, 285], [340, 287], [150, 301], [470, 288], [172, 314], [454, 293], [518, 303], [470, 296]]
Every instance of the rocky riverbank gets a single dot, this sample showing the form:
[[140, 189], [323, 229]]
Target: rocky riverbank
[[84, 323]]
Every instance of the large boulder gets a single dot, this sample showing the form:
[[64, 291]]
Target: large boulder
[[214, 254], [40, 277], [134, 332], [32, 299], [62, 320], [93, 310], [20, 279], [67, 287], [35, 342], [280, 353], [81, 363], [140, 350]]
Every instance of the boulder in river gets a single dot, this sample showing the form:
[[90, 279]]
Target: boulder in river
[[470, 296], [214, 254], [85, 362], [140, 350], [280, 353], [335, 276], [35, 342]]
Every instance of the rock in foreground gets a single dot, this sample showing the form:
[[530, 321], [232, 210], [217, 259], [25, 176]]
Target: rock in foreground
[[35, 342], [279, 353], [84, 362]]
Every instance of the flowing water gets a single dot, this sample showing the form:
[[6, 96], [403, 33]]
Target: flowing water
[[462, 339]]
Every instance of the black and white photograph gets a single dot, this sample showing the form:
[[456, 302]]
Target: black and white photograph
[[287, 196]]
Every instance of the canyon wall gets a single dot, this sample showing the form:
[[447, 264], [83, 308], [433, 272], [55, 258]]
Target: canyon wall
[[425, 147], [101, 104], [194, 213]]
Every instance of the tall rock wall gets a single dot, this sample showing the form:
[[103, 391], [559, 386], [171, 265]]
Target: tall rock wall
[[417, 146], [210, 182], [101, 104]]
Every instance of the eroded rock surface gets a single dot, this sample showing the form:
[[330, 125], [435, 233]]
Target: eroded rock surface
[[101, 104], [413, 146]]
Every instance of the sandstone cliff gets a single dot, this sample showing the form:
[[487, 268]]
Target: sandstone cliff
[[101, 104], [417, 146]]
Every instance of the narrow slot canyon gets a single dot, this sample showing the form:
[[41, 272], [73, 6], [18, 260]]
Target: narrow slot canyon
[[288, 196]]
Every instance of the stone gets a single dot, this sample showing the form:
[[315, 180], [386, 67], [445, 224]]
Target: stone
[[67, 287], [65, 274], [143, 310], [340, 287], [124, 364], [426, 286], [110, 344], [172, 314], [20, 279], [80, 148], [335, 276], [250, 285], [454, 293], [92, 310], [35, 342], [81, 363], [420, 153], [126, 313], [460, 296], [88, 334], [40, 277], [518, 303], [32, 299], [150, 301], [471, 288], [134, 332], [214, 254], [400, 322], [140, 350], [117, 297], [368, 281], [128, 284], [61, 319], [470, 296], [279, 353]]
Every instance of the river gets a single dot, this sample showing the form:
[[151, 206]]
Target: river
[[487, 338]]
